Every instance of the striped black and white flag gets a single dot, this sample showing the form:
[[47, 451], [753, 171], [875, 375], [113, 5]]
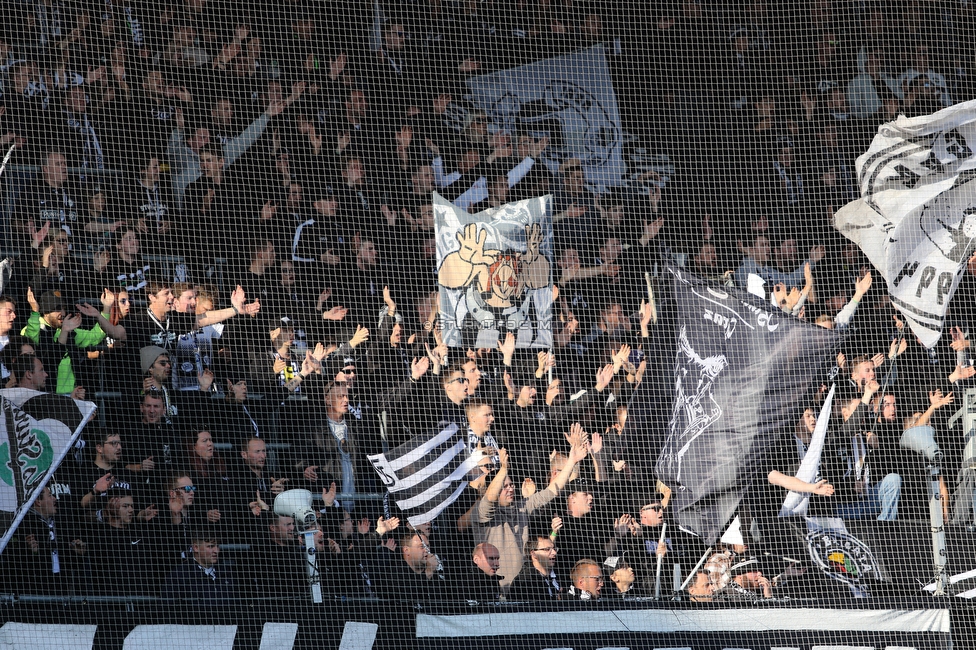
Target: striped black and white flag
[[916, 218], [37, 430], [427, 473]]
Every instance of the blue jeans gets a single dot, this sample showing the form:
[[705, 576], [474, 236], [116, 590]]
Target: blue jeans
[[881, 499]]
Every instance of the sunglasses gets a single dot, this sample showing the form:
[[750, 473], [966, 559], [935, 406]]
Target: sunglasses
[[654, 508], [187, 488]]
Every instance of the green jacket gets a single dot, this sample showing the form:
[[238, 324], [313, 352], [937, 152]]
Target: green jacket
[[53, 353]]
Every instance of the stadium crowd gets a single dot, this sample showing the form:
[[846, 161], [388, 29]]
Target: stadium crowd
[[234, 199]]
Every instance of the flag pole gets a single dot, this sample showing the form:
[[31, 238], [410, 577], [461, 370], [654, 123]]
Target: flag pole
[[6, 158], [660, 558], [697, 566], [650, 297]]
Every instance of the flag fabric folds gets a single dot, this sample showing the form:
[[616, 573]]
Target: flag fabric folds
[[494, 273], [428, 473], [741, 369], [37, 430], [570, 100], [796, 503], [916, 218]]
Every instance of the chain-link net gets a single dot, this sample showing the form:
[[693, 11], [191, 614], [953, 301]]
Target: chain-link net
[[503, 323]]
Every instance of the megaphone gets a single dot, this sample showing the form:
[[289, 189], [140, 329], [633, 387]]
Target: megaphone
[[921, 440], [297, 504]]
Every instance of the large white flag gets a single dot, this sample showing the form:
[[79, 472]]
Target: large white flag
[[916, 218], [37, 430]]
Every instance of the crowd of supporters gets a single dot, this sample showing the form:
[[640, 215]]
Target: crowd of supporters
[[234, 197]]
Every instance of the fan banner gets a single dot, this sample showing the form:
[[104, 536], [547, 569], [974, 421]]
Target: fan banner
[[740, 365], [495, 273], [916, 218], [37, 430], [570, 100]]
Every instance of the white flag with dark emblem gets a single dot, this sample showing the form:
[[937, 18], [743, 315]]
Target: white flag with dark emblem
[[916, 218], [37, 430], [426, 474]]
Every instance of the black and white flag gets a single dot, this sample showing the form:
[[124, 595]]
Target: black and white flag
[[741, 370], [916, 218], [37, 430], [427, 473]]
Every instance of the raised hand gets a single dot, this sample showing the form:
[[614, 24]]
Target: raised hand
[[862, 285], [553, 391], [361, 336], [621, 526], [962, 372], [205, 379], [576, 435], [278, 485], [329, 495], [337, 65], [507, 348], [528, 488], [651, 230], [619, 357], [596, 443], [87, 310], [104, 483], [384, 526], [641, 369], [32, 301], [938, 400], [898, 347], [148, 513], [107, 299], [578, 453], [336, 313], [871, 387], [603, 377], [646, 315], [959, 341], [823, 488], [237, 297], [258, 505], [419, 367], [318, 353], [533, 237], [71, 323]]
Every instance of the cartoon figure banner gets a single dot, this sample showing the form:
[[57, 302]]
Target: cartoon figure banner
[[494, 270]]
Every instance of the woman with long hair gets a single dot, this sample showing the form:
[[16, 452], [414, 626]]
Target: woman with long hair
[[209, 473]]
